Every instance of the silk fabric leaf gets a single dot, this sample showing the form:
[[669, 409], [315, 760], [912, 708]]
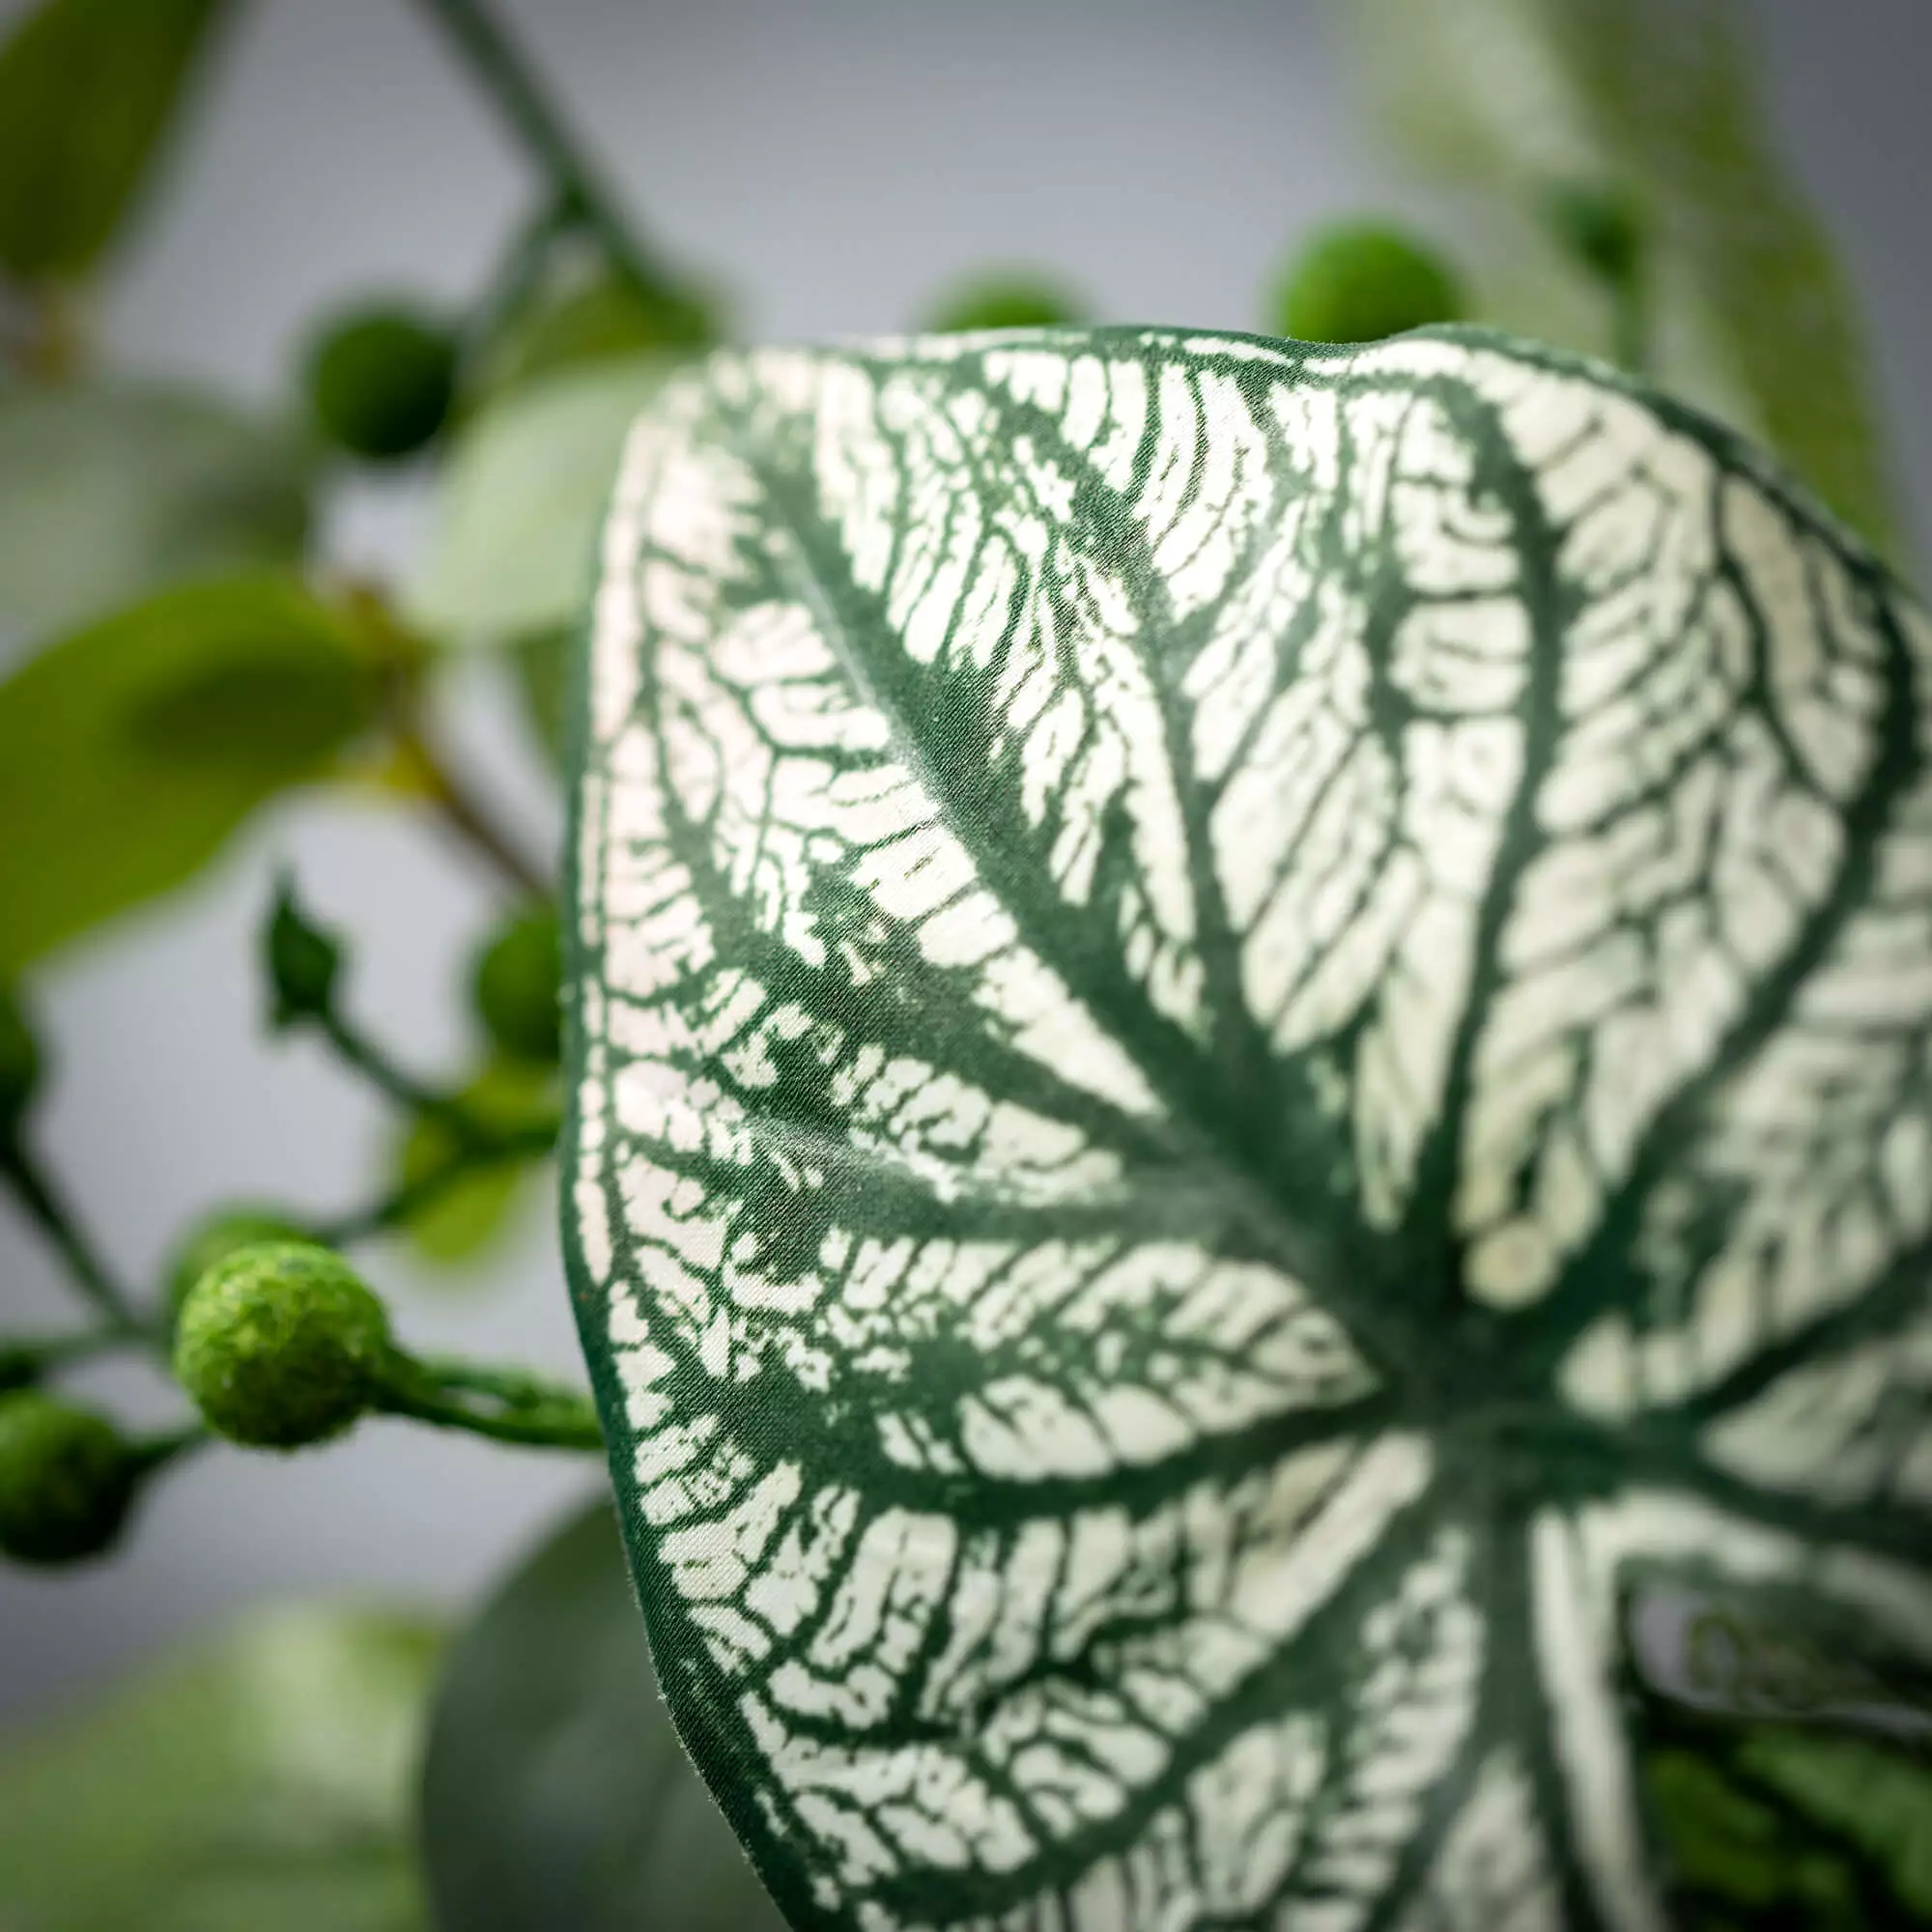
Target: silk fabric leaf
[[1250, 1050]]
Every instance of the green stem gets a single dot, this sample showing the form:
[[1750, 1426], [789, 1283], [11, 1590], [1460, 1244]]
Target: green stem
[[157, 1452], [401, 1087], [465, 815], [516, 273], [505, 74], [1629, 323], [515, 1388], [44, 1206], [30, 1356], [533, 1413], [398, 1206]]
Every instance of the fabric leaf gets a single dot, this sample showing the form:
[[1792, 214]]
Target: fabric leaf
[[1251, 1049]]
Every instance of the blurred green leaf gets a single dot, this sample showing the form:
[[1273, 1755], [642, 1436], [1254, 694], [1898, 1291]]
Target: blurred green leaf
[[88, 92], [1006, 298], [541, 662], [108, 491], [466, 1217], [1537, 98], [258, 1781], [555, 1792], [594, 315], [1780, 1825], [131, 748], [524, 491]]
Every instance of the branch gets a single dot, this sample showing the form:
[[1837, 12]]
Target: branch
[[504, 72], [504, 1405], [50, 1213]]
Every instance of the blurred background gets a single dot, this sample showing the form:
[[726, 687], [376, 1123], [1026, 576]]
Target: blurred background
[[830, 169]]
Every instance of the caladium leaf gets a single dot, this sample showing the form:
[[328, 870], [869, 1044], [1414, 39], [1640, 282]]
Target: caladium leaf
[[1253, 1054]]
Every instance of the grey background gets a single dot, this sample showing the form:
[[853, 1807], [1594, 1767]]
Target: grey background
[[834, 165]]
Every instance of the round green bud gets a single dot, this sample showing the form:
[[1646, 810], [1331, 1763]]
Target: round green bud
[[67, 1478], [216, 1237], [518, 987], [281, 1345], [1010, 301], [19, 1066], [380, 382], [1359, 282]]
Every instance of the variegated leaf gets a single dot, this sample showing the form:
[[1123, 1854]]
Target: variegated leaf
[[1252, 1058]]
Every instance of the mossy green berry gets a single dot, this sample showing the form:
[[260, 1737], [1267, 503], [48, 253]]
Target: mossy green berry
[[1362, 281], [216, 1237], [280, 1345], [381, 381], [66, 1479], [518, 987]]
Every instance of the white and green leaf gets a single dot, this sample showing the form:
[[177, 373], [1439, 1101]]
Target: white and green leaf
[[1252, 1053]]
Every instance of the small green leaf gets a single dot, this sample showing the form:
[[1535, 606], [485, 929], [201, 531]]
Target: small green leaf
[[465, 1218], [594, 315], [555, 1792], [301, 960], [107, 491], [131, 750], [257, 1779], [1011, 299], [1251, 1047], [1534, 100], [89, 90], [513, 550]]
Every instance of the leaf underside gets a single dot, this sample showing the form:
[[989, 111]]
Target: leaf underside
[[1250, 1052]]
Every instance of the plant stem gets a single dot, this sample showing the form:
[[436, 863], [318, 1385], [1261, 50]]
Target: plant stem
[[35, 1354], [505, 74], [489, 1149], [1630, 325], [46, 1208], [465, 814], [529, 1410], [400, 1086], [156, 1452]]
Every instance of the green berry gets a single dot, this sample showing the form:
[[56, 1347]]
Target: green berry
[[67, 1478], [380, 382], [302, 961], [518, 987], [216, 1237], [1012, 300], [19, 1066], [1359, 282], [281, 1345]]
